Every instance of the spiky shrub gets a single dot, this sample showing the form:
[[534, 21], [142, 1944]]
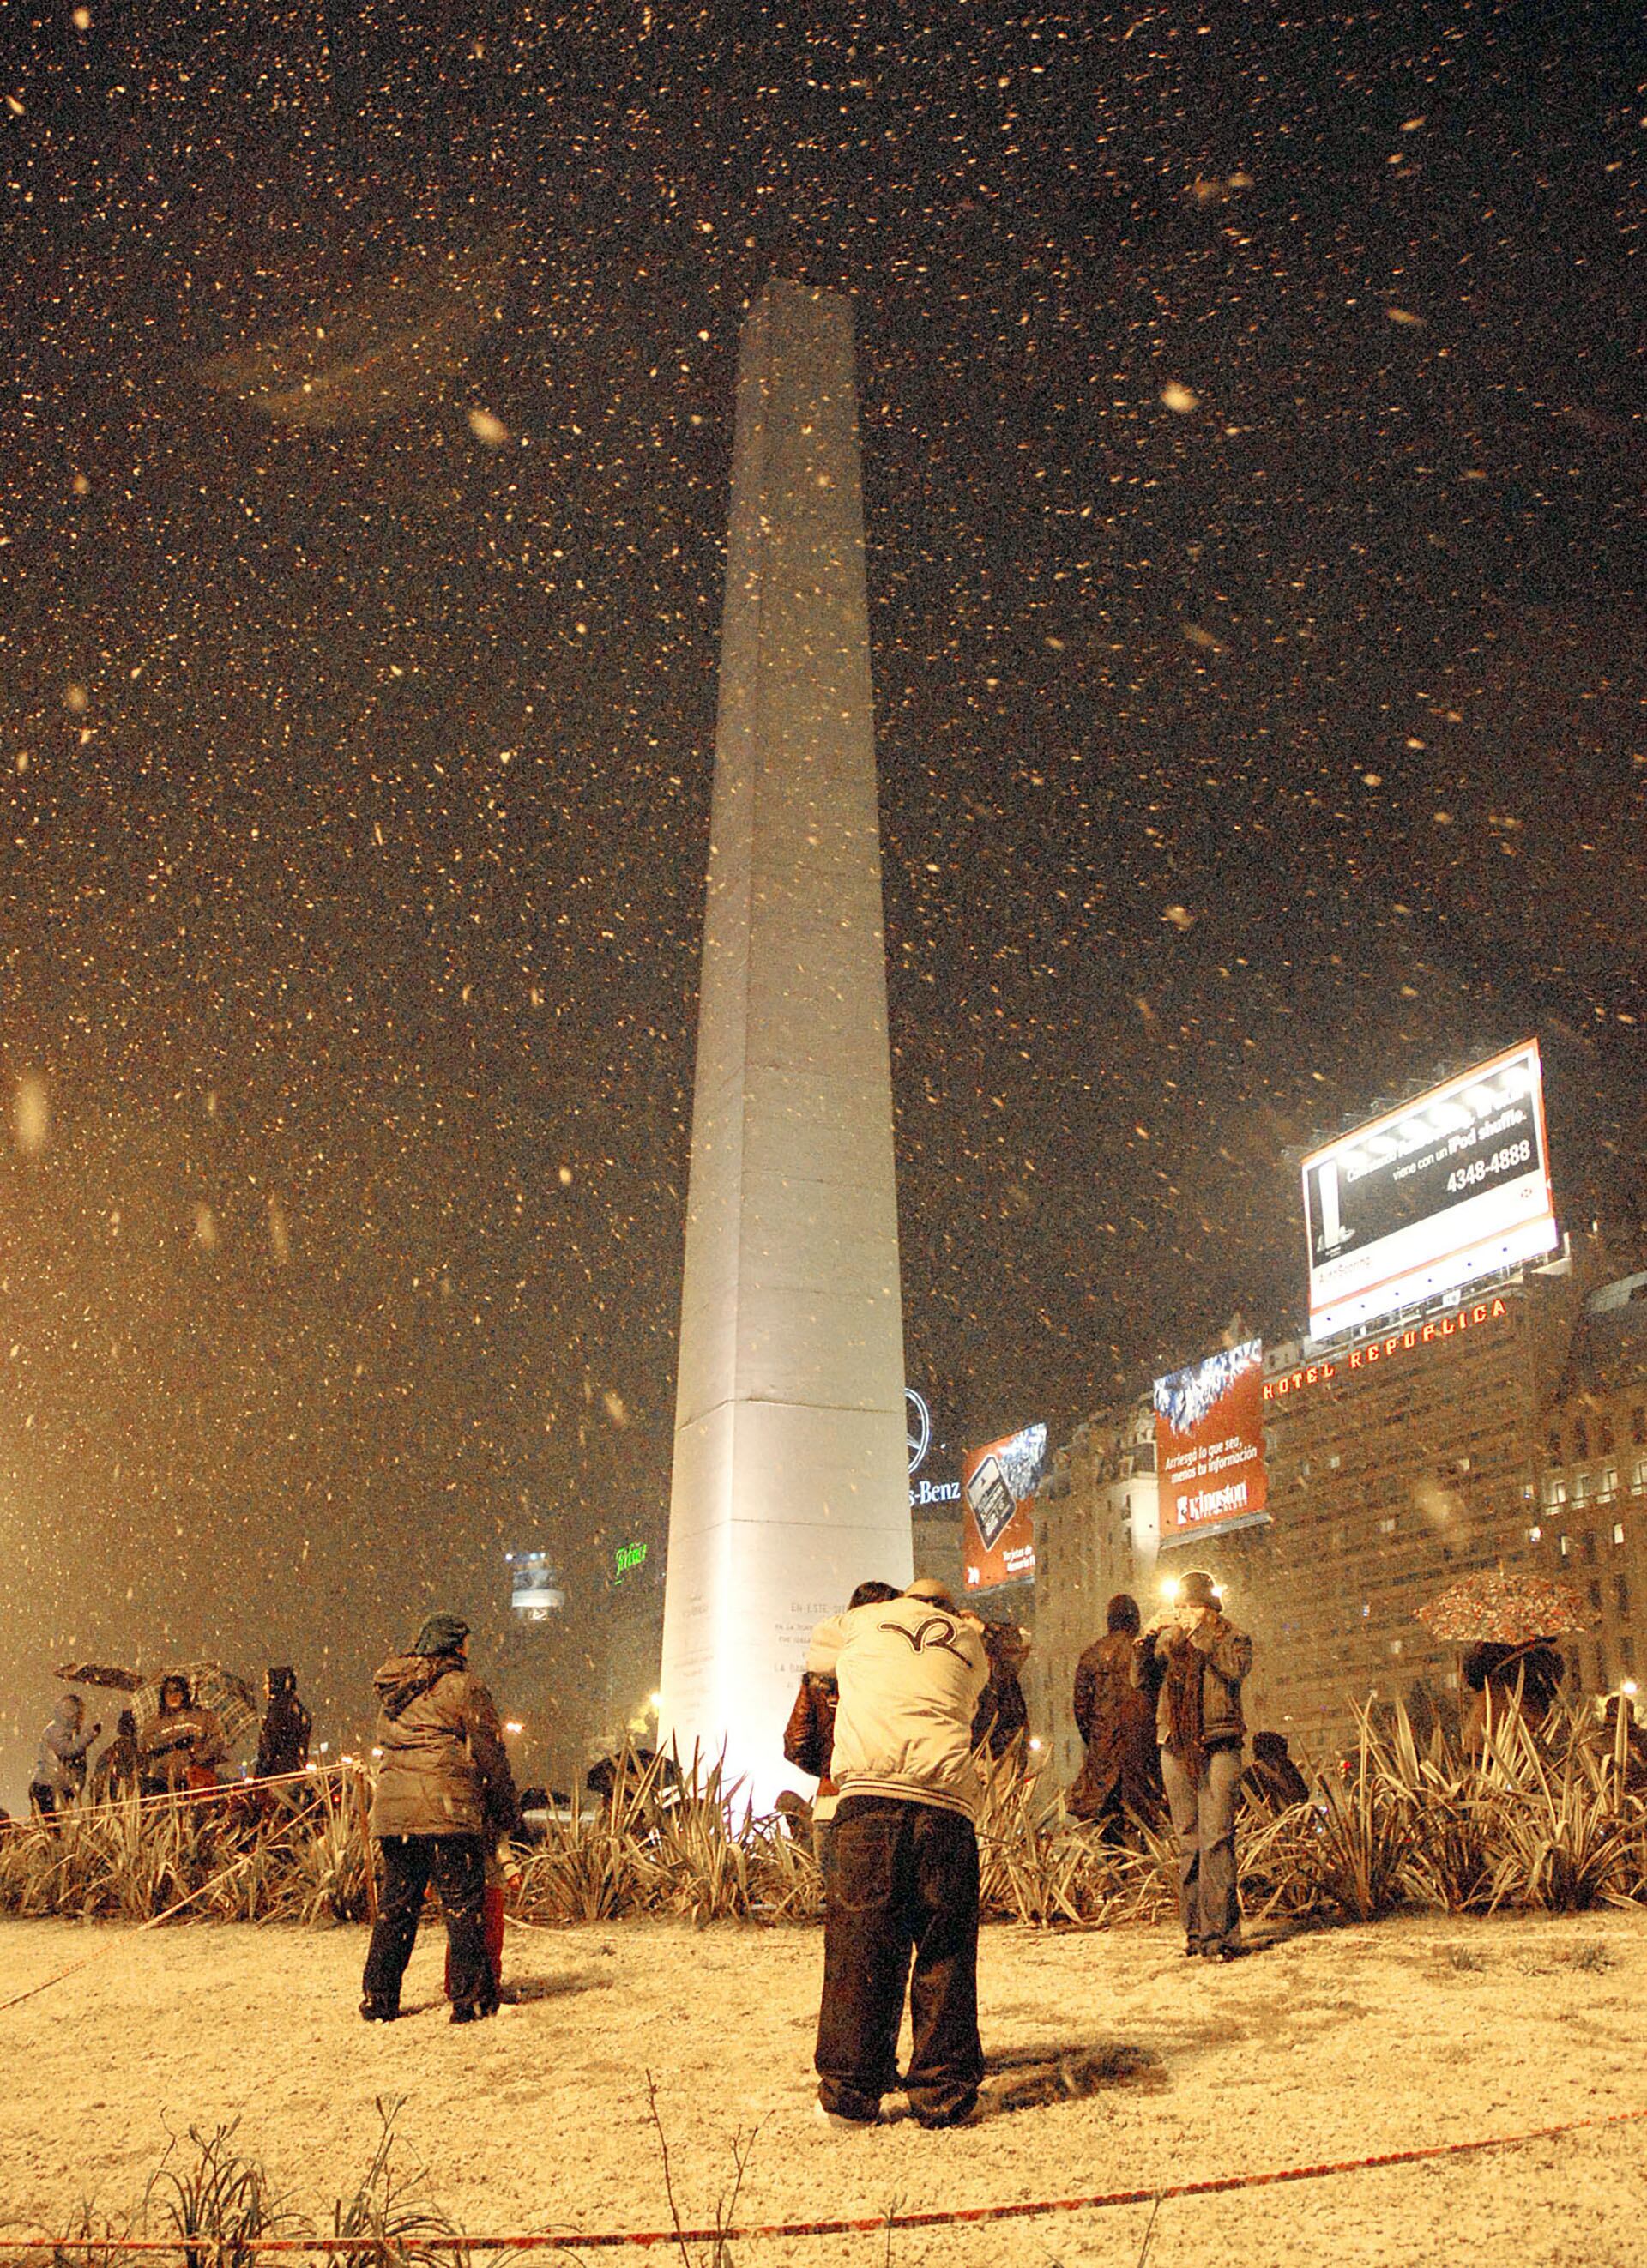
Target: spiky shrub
[[299, 1858], [1355, 1859], [1562, 1830]]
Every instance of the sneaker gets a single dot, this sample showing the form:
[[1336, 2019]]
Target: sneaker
[[839, 2124], [1225, 1952], [379, 2012]]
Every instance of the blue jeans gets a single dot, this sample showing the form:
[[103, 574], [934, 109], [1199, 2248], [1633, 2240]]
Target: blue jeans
[[1203, 1820]]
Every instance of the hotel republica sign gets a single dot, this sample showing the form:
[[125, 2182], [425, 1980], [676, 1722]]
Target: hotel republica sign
[[1429, 1198]]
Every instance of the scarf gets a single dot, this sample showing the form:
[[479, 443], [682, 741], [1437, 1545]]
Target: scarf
[[1185, 1668]]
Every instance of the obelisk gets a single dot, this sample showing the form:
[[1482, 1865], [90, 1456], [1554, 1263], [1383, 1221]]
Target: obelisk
[[790, 1462]]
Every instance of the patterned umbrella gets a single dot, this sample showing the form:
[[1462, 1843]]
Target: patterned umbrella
[[99, 1672], [1499, 1609], [224, 1691]]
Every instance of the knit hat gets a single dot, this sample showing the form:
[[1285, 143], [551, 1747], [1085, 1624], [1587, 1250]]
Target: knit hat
[[1121, 1613], [1195, 1590], [441, 1634]]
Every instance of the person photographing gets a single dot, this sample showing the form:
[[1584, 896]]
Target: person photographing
[[1193, 1660]]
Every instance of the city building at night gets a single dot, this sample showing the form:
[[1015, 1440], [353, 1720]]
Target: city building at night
[[1501, 1428]]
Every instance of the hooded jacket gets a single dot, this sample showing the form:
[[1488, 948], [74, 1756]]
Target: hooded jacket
[[60, 1765], [909, 1673], [444, 1770]]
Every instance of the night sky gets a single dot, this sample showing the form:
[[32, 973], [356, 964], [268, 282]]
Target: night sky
[[1251, 418]]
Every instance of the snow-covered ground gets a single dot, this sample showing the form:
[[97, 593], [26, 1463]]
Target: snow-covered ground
[[1326, 2046]]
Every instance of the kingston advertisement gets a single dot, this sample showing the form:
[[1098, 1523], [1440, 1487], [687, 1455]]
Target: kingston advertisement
[[1209, 1443]]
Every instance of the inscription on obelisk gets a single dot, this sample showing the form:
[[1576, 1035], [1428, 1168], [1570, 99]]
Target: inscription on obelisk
[[790, 1462]]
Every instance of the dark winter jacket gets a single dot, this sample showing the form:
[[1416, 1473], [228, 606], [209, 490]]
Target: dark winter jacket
[[1116, 1720], [1273, 1779], [1001, 1717], [283, 1745], [809, 1736], [1226, 1657], [444, 1768]]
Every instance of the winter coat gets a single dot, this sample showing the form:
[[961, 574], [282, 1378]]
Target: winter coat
[[1496, 1675], [1002, 1716], [61, 1764], [178, 1744], [1275, 1782], [444, 1770], [115, 1773], [809, 1736], [282, 1744], [1116, 1721], [909, 1673], [1226, 1658]]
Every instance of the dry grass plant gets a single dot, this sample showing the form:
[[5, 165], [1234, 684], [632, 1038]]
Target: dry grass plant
[[1545, 1820]]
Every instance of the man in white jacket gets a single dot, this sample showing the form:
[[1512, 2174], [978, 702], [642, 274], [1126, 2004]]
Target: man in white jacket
[[905, 1877]]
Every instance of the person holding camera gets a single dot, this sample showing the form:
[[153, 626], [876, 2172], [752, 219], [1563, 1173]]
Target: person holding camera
[[1192, 1661]]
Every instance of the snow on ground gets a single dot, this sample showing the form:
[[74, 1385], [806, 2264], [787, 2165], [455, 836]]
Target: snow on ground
[[1327, 2045]]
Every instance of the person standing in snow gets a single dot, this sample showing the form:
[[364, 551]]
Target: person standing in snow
[[59, 1768], [905, 1874], [809, 1736], [283, 1742], [444, 1784], [1121, 1775], [182, 1744], [1193, 1663], [115, 1774]]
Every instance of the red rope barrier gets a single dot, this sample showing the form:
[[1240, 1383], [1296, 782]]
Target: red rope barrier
[[343, 2247]]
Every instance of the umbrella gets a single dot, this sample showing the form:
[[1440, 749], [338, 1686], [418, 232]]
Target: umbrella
[[99, 1672], [224, 1691], [1500, 1610]]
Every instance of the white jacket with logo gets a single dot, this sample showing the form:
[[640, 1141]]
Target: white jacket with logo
[[909, 1673]]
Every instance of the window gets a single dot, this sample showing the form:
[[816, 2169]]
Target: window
[[1622, 1593], [1580, 1488], [1555, 1493], [1567, 1545], [1552, 1443], [1581, 1438], [1604, 1435], [1386, 1528], [1618, 1531], [1639, 1422], [1588, 1543], [1595, 1596], [1627, 1653], [1535, 1536], [1609, 1483]]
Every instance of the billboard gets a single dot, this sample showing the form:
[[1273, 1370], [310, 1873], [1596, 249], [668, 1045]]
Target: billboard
[[1431, 1195], [1210, 1442], [999, 1484]]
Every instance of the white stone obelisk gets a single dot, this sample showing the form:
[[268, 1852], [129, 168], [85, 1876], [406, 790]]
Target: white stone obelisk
[[791, 1480]]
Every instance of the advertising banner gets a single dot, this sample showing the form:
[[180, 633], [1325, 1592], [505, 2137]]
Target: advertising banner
[[1430, 1197], [1210, 1442], [999, 1484]]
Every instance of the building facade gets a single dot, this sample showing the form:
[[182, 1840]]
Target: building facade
[[1467, 1439]]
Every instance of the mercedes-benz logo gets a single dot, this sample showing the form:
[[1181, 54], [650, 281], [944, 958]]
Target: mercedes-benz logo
[[917, 1428]]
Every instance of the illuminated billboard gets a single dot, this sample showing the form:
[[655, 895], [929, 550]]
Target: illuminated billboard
[[1210, 1442], [1431, 1195], [999, 1484]]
